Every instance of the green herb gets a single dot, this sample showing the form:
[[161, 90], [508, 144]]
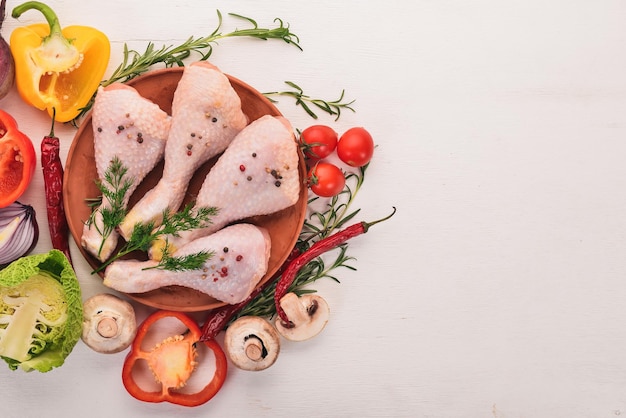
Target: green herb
[[333, 107], [136, 63], [319, 225], [114, 188], [187, 262], [263, 304], [144, 235], [337, 213], [41, 311]]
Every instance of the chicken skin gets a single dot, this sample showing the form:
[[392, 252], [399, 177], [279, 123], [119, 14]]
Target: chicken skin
[[240, 257], [257, 175], [132, 130], [206, 116]]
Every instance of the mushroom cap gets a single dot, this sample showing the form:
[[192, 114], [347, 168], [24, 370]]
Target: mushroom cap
[[308, 314], [252, 343], [109, 323]]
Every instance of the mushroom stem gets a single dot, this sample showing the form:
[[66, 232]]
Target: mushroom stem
[[307, 314], [107, 327], [109, 323], [296, 311], [252, 343], [254, 348]]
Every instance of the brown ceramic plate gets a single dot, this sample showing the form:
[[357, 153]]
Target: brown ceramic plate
[[79, 185]]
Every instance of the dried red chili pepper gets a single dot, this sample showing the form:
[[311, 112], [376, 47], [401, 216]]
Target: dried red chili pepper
[[172, 362], [53, 182], [317, 249], [220, 317]]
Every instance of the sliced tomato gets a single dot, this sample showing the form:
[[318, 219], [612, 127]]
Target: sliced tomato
[[17, 160]]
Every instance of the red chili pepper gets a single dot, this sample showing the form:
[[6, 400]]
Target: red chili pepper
[[317, 249], [220, 317], [172, 362], [53, 182]]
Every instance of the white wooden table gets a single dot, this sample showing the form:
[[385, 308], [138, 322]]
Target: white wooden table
[[498, 289]]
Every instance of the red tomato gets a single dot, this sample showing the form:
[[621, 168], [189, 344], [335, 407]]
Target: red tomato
[[355, 147], [17, 160], [319, 141], [326, 179]]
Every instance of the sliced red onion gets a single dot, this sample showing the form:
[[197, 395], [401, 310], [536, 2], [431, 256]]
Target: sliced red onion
[[19, 232]]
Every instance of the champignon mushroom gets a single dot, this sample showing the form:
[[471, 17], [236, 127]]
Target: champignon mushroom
[[252, 343], [308, 315], [109, 323]]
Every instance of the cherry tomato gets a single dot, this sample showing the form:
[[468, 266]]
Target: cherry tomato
[[17, 160], [319, 141], [326, 179], [355, 147]]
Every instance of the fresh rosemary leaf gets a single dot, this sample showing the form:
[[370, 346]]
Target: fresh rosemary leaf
[[319, 225], [263, 304], [333, 107], [135, 63]]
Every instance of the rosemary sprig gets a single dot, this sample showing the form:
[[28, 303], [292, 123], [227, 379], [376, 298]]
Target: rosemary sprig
[[172, 224], [135, 63], [319, 225], [263, 304], [332, 107], [337, 213]]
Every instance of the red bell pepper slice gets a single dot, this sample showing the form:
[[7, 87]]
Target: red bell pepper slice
[[172, 362], [17, 160]]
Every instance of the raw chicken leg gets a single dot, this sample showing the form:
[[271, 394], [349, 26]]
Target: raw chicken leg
[[241, 255], [206, 116], [133, 129], [257, 175]]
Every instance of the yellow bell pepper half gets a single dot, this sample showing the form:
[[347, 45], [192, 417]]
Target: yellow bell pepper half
[[57, 68]]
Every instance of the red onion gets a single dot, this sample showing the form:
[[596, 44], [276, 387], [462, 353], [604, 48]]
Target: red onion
[[19, 232], [7, 65]]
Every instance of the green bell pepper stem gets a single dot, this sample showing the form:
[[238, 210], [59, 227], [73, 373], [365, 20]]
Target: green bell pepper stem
[[48, 13]]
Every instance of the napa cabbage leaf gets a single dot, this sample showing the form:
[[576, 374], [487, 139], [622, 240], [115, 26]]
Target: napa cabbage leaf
[[41, 312]]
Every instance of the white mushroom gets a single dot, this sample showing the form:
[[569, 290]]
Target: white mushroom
[[308, 315], [109, 323], [252, 343]]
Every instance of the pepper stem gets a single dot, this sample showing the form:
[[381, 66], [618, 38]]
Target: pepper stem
[[48, 13], [367, 225], [55, 54], [54, 114]]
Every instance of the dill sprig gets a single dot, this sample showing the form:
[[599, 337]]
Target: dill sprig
[[144, 234], [186, 219], [186, 262], [307, 103], [114, 187], [135, 63]]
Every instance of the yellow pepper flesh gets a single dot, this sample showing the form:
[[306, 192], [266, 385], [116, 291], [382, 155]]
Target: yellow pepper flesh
[[42, 85]]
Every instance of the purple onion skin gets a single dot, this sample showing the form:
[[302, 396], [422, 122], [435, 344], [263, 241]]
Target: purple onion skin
[[31, 216], [7, 65], [7, 69]]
